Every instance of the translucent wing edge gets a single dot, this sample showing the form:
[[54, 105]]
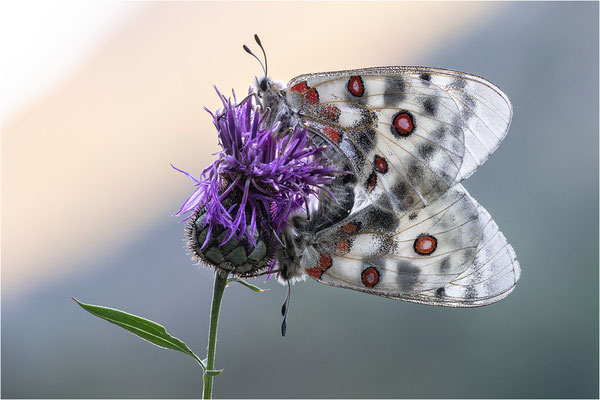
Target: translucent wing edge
[[427, 300], [405, 70]]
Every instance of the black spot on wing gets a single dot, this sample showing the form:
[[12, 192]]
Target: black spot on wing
[[430, 105], [469, 100], [365, 138], [394, 93], [458, 84], [408, 275], [405, 267], [466, 112], [380, 220], [439, 132], [401, 190], [384, 245], [470, 293], [403, 195], [368, 117], [427, 150], [441, 292], [445, 264], [415, 172], [425, 76]]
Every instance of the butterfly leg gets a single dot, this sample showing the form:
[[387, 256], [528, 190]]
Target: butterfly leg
[[285, 308], [256, 98], [307, 209]]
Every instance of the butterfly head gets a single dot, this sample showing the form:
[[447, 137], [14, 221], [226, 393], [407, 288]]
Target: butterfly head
[[263, 84], [268, 91]]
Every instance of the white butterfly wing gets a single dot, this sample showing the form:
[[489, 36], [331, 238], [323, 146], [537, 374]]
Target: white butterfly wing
[[486, 113], [492, 277], [449, 253], [410, 133], [495, 271]]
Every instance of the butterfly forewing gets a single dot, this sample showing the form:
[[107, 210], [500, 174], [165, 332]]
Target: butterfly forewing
[[409, 132], [486, 113]]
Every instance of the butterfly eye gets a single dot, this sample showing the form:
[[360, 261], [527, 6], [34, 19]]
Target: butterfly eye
[[263, 85]]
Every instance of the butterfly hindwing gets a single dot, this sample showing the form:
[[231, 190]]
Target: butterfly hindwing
[[492, 277], [407, 253], [449, 253], [495, 270], [410, 133]]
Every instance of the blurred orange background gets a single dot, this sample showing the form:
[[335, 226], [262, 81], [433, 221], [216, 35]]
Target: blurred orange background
[[99, 98]]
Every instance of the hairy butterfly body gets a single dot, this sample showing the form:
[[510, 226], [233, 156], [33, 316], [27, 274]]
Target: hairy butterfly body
[[401, 225]]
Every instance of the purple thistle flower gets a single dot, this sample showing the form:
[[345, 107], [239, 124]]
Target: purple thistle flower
[[272, 174]]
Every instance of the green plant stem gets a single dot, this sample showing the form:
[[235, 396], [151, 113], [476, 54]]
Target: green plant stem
[[219, 288]]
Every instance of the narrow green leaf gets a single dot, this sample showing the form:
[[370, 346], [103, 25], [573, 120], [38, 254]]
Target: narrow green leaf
[[248, 285], [213, 372], [144, 328]]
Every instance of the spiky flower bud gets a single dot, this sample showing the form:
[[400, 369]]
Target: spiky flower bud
[[237, 255]]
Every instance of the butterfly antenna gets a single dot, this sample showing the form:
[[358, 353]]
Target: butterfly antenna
[[254, 55], [264, 53], [285, 308]]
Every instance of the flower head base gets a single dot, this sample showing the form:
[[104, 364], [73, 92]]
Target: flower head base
[[259, 178]]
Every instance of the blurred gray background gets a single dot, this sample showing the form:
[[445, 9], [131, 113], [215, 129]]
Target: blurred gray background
[[541, 187]]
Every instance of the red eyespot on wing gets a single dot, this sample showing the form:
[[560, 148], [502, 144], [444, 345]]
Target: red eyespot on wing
[[370, 277], [356, 86], [380, 164], [425, 245], [371, 182], [300, 87], [332, 133], [323, 265], [403, 124]]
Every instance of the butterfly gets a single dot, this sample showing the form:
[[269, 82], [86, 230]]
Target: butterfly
[[400, 225]]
